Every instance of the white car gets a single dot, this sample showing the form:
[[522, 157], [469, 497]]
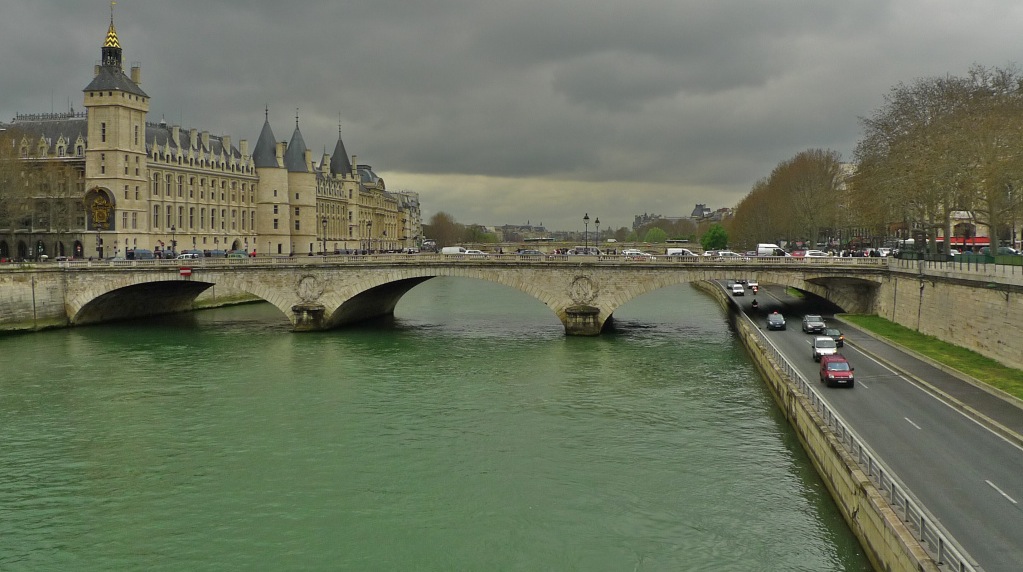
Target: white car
[[816, 254], [634, 254], [475, 253], [738, 289]]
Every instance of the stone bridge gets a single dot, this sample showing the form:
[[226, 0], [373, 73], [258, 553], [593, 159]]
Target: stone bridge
[[318, 293]]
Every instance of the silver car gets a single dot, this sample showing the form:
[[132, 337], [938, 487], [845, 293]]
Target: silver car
[[823, 346]]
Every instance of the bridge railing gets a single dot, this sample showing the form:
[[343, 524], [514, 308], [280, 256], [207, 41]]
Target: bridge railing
[[925, 526], [421, 258]]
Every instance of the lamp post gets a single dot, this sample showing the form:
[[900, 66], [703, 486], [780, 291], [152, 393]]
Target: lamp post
[[174, 242], [586, 233], [596, 241], [369, 235], [324, 222]]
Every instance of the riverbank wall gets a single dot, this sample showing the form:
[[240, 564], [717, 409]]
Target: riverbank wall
[[33, 299], [889, 544]]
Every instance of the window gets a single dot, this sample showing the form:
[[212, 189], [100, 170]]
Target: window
[[298, 226], [124, 220], [103, 132], [181, 185], [156, 216], [297, 211], [134, 220], [136, 192], [181, 216], [223, 217], [136, 137], [275, 209], [276, 224], [191, 217], [202, 218]]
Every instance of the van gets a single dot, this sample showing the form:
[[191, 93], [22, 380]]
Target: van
[[453, 250], [835, 370], [140, 254], [768, 249], [679, 252]]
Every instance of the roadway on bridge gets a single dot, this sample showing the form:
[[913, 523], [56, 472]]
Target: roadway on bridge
[[966, 475]]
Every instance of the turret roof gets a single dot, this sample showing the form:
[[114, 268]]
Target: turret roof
[[265, 153]]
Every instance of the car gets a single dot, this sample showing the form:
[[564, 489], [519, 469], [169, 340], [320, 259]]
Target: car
[[710, 253], [729, 255], [189, 256], [738, 290], [775, 321], [816, 254], [813, 324], [634, 254], [823, 346], [835, 370], [474, 253], [529, 253], [835, 334], [753, 285]]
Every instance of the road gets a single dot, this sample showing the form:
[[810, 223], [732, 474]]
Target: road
[[968, 476]]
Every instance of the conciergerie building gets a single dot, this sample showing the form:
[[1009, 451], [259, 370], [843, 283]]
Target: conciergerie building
[[107, 181]]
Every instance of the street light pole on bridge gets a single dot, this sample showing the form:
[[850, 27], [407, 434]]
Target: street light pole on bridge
[[586, 232]]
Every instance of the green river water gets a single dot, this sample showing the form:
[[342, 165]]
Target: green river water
[[468, 433]]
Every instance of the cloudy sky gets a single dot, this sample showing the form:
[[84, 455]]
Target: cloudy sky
[[519, 111]]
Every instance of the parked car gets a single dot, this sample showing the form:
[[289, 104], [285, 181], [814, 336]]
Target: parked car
[[823, 346], [738, 290], [813, 324], [474, 253], [835, 370], [189, 256], [816, 254], [530, 253], [835, 334], [775, 321]]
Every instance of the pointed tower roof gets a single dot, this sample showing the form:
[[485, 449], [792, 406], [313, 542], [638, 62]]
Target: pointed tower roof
[[294, 157], [339, 163], [265, 152], [110, 75]]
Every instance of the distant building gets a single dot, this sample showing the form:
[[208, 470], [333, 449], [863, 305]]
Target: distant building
[[107, 180]]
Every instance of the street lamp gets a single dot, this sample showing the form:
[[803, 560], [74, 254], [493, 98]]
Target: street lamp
[[174, 243], [596, 241], [324, 222], [369, 235], [586, 233]]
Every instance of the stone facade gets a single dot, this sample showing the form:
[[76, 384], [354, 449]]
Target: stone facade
[[126, 183]]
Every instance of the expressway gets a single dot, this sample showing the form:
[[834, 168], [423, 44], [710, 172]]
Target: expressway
[[969, 477]]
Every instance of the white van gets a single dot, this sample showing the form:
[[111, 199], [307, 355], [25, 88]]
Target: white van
[[453, 250], [679, 252], [768, 249]]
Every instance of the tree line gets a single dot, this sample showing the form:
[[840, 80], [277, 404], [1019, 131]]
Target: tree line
[[938, 149]]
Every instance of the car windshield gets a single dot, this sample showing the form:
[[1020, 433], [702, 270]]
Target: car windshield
[[825, 343], [832, 332], [775, 318], [814, 319], [838, 366]]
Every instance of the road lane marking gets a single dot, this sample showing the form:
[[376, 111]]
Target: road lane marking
[[911, 423], [1001, 492]]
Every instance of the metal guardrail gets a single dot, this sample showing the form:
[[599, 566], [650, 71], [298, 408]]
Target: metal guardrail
[[927, 529]]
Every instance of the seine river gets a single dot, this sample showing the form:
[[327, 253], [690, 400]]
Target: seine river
[[467, 434]]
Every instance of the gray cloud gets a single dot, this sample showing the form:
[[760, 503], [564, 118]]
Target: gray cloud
[[522, 110]]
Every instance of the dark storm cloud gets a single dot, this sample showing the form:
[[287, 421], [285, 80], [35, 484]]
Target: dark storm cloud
[[494, 109]]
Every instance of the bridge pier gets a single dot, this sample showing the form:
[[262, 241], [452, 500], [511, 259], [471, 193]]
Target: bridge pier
[[582, 320], [308, 317]]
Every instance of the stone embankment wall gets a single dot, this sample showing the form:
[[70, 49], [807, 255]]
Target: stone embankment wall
[[889, 544], [958, 308]]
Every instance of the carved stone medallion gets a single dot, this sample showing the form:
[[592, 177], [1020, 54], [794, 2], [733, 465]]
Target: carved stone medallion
[[309, 289], [582, 290]]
